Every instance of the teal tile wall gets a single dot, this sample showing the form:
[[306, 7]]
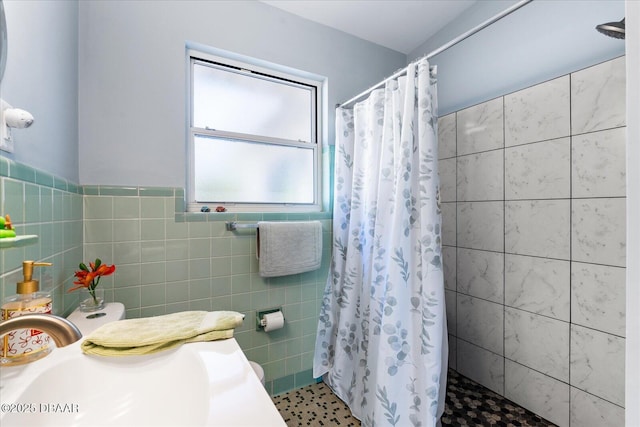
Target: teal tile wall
[[167, 261], [50, 208]]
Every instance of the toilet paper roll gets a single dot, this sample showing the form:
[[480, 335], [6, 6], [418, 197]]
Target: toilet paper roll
[[273, 321]]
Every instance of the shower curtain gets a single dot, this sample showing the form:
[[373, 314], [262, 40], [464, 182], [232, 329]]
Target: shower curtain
[[381, 341]]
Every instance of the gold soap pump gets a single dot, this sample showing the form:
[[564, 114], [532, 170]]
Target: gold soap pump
[[25, 345], [28, 285]]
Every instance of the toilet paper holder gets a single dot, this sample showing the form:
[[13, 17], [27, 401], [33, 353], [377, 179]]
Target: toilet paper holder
[[260, 321]]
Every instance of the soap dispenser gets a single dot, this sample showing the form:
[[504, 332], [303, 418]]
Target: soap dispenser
[[26, 345]]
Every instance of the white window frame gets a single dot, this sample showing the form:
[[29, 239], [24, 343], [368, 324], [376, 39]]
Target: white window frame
[[271, 70]]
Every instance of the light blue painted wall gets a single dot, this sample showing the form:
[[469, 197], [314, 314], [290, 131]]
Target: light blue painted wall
[[538, 42], [42, 78], [471, 17], [132, 75], [130, 82]]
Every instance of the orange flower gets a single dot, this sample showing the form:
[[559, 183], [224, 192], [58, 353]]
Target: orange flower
[[105, 270], [89, 279]]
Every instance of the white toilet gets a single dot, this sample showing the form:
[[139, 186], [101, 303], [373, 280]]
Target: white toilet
[[87, 322], [258, 370]]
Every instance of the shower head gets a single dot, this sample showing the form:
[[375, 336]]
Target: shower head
[[612, 29]]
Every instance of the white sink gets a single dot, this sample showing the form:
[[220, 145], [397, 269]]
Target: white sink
[[198, 384]]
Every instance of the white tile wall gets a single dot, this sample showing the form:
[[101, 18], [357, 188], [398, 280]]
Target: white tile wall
[[597, 363], [481, 366], [538, 285], [599, 231], [588, 410], [598, 297], [480, 274], [598, 97], [538, 342], [480, 225], [448, 223], [536, 300], [538, 228], [538, 171], [480, 176], [449, 267], [450, 305], [447, 173], [538, 113], [480, 128], [447, 136], [538, 392], [453, 345], [598, 164], [480, 322]]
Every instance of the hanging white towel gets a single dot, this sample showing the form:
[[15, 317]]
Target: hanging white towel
[[285, 248]]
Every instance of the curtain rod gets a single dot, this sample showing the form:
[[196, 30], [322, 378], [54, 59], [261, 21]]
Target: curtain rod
[[442, 48]]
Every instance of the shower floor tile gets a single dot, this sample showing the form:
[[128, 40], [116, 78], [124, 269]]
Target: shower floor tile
[[467, 404]]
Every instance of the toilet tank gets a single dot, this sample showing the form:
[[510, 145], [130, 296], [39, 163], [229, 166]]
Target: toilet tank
[[87, 322]]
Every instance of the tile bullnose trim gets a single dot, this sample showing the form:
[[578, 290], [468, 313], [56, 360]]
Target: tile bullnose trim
[[15, 170]]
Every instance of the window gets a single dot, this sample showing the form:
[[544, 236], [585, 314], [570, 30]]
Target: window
[[253, 142]]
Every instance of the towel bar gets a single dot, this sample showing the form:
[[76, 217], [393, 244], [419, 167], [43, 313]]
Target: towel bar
[[233, 226]]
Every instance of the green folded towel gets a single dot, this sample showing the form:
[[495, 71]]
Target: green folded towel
[[153, 334]]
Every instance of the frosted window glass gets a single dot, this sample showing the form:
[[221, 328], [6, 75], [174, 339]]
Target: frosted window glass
[[241, 102], [250, 172]]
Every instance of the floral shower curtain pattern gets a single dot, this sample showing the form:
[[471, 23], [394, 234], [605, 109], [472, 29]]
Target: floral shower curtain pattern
[[381, 342]]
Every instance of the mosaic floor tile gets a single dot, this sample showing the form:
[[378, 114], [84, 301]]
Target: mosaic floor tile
[[314, 405], [470, 404], [467, 404]]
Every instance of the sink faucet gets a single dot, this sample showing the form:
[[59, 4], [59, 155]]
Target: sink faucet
[[61, 331]]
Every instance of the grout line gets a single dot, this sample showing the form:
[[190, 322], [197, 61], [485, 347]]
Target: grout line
[[504, 245], [538, 200], [456, 231], [570, 230], [560, 381], [599, 331], [534, 256]]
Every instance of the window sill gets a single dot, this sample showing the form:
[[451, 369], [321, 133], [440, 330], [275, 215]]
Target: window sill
[[250, 216], [248, 208]]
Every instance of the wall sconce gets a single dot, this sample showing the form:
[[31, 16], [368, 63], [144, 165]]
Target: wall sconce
[[11, 118]]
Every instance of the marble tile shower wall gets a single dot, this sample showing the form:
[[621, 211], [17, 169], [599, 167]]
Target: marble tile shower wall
[[533, 192], [168, 262]]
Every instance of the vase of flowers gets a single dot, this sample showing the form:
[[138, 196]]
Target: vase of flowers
[[87, 280], [91, 300]]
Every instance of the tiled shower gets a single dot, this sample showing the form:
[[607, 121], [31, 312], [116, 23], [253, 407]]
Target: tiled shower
[[533, 203]]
